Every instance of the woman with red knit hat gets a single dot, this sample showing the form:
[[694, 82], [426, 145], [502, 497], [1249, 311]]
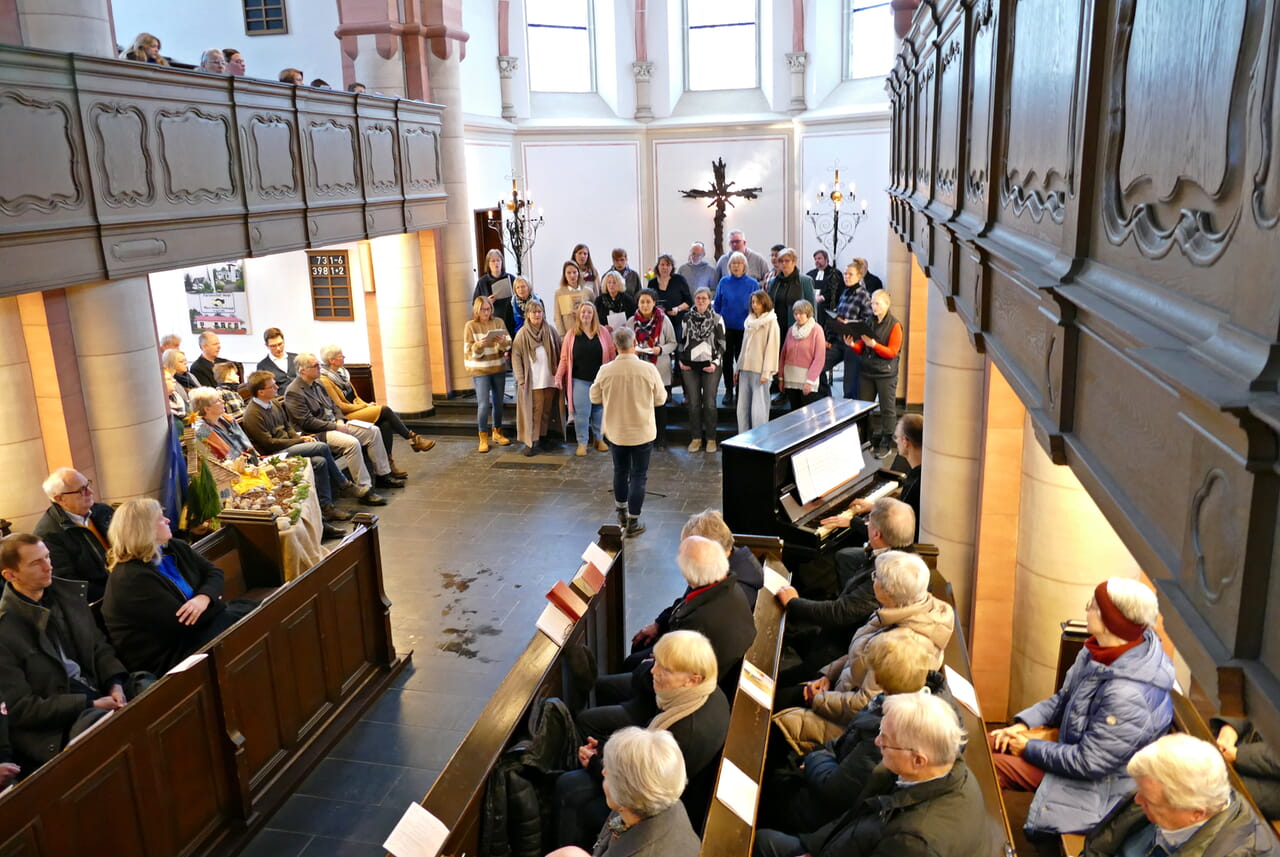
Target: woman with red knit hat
[[1114, 701]]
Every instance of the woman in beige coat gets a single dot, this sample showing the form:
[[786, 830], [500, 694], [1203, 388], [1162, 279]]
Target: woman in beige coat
[[535, 356]]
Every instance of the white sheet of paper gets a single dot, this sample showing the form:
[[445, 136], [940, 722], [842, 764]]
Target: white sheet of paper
[[361, 424], [188, 662], [962, 690], [756, 684], [598, 557], [417, 834], [615, 320], [554, 624], [737, 791], [773, 581]]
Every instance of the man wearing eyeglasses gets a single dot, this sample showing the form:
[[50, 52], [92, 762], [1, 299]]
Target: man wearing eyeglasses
[[75, 530]]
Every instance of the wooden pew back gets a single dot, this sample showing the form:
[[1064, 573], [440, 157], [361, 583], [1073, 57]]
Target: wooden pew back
[[457, 796]]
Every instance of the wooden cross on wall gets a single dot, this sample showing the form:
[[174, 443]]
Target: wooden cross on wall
[[720, 195]]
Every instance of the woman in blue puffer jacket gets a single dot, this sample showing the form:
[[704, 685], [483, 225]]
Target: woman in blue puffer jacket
[[1114, 701]]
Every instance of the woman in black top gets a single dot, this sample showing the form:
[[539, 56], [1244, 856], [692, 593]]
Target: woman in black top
[[672, 289], [700, 356], [614, 300], [495, 270]]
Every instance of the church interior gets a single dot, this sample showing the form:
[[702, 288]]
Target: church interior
[[1079, 253]]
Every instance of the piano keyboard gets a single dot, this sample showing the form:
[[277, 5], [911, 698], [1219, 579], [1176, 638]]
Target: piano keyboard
[[882, 490]]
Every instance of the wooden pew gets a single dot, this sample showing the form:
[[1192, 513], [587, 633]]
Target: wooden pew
[[725, 834], [457, 796], [248, 553], [195, 764]]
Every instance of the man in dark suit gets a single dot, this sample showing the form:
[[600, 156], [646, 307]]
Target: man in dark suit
[[278, 362], [210, 346], [75, 530]]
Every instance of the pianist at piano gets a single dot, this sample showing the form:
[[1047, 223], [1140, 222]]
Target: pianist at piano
[[908, 438]]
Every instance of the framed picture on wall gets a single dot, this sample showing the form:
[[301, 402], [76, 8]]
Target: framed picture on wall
[[329, 272], [216, 298]]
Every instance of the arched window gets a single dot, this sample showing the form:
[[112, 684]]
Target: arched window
[[560, 45], [722, 45], [870, 42]]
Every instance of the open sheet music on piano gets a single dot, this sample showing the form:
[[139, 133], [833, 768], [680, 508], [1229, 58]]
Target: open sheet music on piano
[[829, 464]]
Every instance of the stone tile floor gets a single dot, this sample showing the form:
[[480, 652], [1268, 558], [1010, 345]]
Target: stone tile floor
[[469, 550]]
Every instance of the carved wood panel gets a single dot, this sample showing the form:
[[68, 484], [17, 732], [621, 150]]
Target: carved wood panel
[[977, 179], [304, 639], [260, 706], [197, 150], [43, 175], [950, 107], [349, 615], [185, 762], [94, 804]]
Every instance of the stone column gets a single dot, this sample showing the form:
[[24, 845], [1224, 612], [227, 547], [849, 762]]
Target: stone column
[[75, 26], [446, 88], [796, 62], [506, 71], [114, 330], [397, 271], [1065, 547], [22, 456], [379, 64], [954, 394], [643, 72]]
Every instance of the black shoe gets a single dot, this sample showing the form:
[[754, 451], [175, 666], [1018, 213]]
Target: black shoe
[[331, 532], [333, 513], [372, 499], [529, 451], [388, 481], [634, 527]]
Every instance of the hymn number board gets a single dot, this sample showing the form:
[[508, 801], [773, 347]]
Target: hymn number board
[[330, 274]]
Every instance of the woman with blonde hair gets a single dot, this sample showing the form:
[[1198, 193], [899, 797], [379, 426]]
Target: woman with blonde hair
[[613, 305], [586, 348], [485, 344], [521, 296], [145, 48], [535, 355], [163, 600]]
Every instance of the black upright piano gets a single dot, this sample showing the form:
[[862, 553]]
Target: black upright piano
[[761, 495]]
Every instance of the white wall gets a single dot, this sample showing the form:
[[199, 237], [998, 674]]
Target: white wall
[[481, 95], [588, 192], [862, 151], [279, 296], [188, 29], [489, 173]]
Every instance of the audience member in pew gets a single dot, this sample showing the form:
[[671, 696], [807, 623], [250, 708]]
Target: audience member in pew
[[690, 706], [278, 362], [337, 383], [210, 348], [320, 83], [291, 75], [358, 88], [267, 426], [145, 48], [58, 673], [920, 800], [908, 437], [9, 769], [644, 776], [1257, 764], [713, 605], [223, 435], [213, 62], [818, 631], [169, 340], [74, 529], [535, 354], [178, 399], [846, 685], [174, 362], [163, 599], [1114, 700], [312, 412], [1184, 806], [228, 375], [235, 62]]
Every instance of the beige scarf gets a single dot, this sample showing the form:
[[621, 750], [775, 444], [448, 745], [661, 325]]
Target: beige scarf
[[677, 704]]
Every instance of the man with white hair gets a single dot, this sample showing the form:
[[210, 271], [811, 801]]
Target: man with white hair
[[312, 412], [758, 267], [846, 685], [713, 605], [213, 62], [1114, 699], [202, 368], [698, 272], [1184, 805], [921, 800], [74, 529]]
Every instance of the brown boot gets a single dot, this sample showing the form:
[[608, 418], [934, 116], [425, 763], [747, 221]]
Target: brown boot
[[420, 443], [395, 471], [499, 439], [484, 442]]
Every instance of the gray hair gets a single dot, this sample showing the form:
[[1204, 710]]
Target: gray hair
[[709, 524], [212, 52], [612, 274], [895, 520], [203, 398], [169, 360], [1135, 601], [644, 770], [624, 339], [925, 724], [304, 357], [58, 481], [803, 306], [733, 232], [702, 561], [699, 244], [789, 251], [736, 256], [329, 352], [206, 337], [170, 340], [1192, 772], [903, 576]]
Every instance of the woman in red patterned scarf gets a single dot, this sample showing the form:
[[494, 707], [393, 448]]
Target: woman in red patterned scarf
[[655, 341]]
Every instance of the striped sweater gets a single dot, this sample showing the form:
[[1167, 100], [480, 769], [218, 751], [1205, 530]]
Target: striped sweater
[[484, 356]]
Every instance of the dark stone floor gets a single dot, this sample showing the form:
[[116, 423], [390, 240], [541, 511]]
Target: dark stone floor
[[469, 550]]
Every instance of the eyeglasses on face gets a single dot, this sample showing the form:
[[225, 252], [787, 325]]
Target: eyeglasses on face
[[86, 488]]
